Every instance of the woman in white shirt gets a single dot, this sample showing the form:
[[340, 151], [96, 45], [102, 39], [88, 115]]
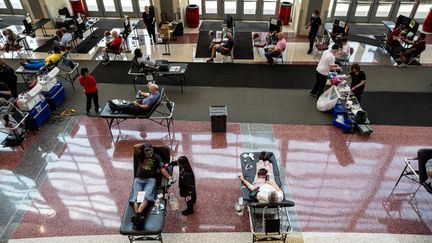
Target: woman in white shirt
[[345, 50]]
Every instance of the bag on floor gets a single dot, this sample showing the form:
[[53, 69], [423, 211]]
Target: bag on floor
[[328, 99]]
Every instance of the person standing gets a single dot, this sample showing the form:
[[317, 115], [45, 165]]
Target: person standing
[[90, 89], [150, 23], [358, 80], [187, 184], [8, 77], [314, 25], [325, 65]]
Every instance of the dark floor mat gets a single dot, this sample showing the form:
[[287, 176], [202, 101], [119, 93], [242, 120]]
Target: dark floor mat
[[210, 25], [203, 45], [395, 108], [12, 19], [251, 26], [224, 75], [88, 43], [47, 46], [364, 40], [368, 29], [243, 45]]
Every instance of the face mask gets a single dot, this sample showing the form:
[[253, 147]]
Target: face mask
[[313, 16]]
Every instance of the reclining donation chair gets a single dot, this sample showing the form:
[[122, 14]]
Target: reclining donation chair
[[154, 218], [423, 174], [268, 221]]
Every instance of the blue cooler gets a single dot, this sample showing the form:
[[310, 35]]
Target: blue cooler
[[40, 113], [343, 122], [55, 96]]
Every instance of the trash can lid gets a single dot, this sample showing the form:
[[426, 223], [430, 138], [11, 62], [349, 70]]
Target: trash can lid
[[218, 110]]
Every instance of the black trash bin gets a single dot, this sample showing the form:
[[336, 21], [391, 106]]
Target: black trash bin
[[218, 116]]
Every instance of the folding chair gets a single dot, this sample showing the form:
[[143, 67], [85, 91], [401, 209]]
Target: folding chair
[[420, 176], [228, 54], [14, 122], [258, 42], [322, 42], [414, 60], [345, 61], [68, 69], [275, 59]]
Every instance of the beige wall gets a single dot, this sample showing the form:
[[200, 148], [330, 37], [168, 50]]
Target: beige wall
[[301, 18]]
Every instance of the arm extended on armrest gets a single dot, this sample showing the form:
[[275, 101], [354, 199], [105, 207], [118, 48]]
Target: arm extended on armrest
[[285, 203]]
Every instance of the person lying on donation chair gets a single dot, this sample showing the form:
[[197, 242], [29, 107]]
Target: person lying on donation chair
[[264, 163], [222, 48], [140, 107], [415, 50], [145, 180], [39, 64], [113, 46], [11, 40], [143, 61], [264, 189], [276, 50]]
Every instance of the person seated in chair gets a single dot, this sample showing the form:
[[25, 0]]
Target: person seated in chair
[[11, 40], [267, 191], [415, 50], [145, 179], [66, 38], [222, 48], [39, 64], [393, 38], [112, 47], [143, 61], [344, 52], [276, 50], [140, 107]]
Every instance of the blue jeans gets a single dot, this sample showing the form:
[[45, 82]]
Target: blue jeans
[[270, 54], [148, 185], [34, 64]]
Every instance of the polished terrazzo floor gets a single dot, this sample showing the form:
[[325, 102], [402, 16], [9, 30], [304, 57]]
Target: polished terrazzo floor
[[72, 179], [79, 181]]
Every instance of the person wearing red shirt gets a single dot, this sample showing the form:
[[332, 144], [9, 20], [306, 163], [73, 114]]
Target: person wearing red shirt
[[90, 89], [112, 47], [393, 38]]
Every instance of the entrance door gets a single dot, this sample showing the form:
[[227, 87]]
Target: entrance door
[[249, 9], [231, 8], [267, 9], [110, 8], [382, 10], [361, 11], [128, 8], [212, 9], [11, 7]]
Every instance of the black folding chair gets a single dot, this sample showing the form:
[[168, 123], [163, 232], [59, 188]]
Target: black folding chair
[[418, 175]]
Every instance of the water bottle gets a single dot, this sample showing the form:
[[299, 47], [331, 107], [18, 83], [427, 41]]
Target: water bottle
[[173, 202]]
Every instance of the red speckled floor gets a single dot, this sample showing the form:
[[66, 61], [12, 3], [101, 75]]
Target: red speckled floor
[[340, 182]]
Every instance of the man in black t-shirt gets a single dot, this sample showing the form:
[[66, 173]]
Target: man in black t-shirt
[[145, 179], [314, 25], [150, 23], [224, 48], [358, 81]]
